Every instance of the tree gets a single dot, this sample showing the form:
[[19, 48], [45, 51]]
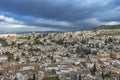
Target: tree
[[3, 42], [60, 42], [0, 73], [17, 59], [10, 57], [33, 77], [29, 37], [30, 79], [13, 43], [52, 57], [94, 52], [83, 41], [16, 78], [67, 55], [110, 40], [23, 54], [84, 64], [106, 42], [77, 50], [53, 78], [103, 76], [80, 77], [87, 51], [53, 71], [94, 69], [70, 36]]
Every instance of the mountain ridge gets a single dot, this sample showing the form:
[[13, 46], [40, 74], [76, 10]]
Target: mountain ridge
[[106, 27]]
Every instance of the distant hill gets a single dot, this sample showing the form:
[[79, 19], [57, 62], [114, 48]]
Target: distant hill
[[106, 27]]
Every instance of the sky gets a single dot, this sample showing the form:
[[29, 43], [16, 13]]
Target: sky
[[57, 15]]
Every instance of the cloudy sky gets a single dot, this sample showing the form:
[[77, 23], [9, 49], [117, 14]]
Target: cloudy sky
[[57, 15]]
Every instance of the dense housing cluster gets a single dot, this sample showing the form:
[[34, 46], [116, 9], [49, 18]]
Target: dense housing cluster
[[79, 55]]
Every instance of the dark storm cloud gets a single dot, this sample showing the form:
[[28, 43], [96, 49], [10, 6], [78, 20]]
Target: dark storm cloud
[[59, 9], [70, 13], [65, 10]]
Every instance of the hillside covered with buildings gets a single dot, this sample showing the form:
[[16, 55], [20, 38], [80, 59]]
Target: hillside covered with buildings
[[78, 55]]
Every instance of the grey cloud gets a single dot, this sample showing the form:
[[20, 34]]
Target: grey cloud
[[59, 13]]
